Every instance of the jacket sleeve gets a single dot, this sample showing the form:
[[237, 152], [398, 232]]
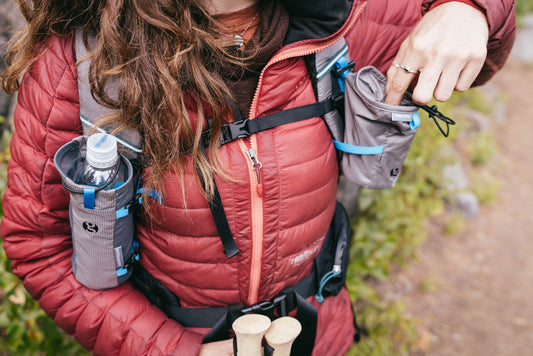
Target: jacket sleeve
[[502, 29], [36, 232]]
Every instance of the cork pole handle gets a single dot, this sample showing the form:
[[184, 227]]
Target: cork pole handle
[[249, 330], [282, 334]]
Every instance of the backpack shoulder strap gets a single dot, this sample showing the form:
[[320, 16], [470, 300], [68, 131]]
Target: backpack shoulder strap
[[325, 78], [90, 109]]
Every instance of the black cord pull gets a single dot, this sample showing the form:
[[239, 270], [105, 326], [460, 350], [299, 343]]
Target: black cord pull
[[437, 116]]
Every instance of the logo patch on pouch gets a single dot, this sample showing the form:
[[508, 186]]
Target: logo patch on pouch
[[90, 227]]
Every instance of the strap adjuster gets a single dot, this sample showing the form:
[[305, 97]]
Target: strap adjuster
[[233, 131], [268, 306], [341, 71]]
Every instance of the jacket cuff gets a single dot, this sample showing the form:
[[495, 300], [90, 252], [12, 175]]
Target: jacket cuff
[[469, 2]]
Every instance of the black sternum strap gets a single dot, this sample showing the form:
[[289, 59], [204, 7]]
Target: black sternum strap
[[244, 128], [219, 216]]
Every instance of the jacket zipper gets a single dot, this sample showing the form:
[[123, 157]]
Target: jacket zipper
[[249, 148], [256, 193]]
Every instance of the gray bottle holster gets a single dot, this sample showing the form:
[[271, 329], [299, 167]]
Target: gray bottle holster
[[101, 221], [377, 136]]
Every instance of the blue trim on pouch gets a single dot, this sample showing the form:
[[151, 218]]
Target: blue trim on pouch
[[88, 198], [415, 122], [122, 212], [121, 271], [359, 150]]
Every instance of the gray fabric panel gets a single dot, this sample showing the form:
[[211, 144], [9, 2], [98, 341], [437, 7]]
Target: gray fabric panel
[[89, 108], [322, 59], [369, 123], [93, 235], [96, 232]]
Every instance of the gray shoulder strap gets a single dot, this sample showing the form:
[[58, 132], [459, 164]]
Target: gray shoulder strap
[[90, 110], [324, 63]]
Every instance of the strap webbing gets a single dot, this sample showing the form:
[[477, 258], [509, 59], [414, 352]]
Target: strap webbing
[[219, 216], [244, 128]]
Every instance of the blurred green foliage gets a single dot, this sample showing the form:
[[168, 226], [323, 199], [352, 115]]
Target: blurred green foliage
[[523, 7]]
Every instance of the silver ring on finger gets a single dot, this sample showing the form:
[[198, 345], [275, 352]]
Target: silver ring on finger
[[405, 68]]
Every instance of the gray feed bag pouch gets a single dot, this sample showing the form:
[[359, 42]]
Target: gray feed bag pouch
[[377, 136], [101, 221]]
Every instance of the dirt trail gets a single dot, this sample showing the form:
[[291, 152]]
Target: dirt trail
[[482, 300]]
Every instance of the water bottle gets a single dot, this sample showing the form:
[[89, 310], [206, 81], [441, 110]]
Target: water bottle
[[102, 165]]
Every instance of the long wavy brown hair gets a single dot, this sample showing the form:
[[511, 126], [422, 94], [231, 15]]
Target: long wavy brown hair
[[166, 62]]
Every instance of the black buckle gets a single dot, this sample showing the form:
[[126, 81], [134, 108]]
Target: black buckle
[[234, 130], [338, 103], [277, 303], [133, 200], [133, 258]]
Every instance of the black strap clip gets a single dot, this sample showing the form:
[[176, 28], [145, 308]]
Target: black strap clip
[[135, 255], [233, 131], [267, 308]]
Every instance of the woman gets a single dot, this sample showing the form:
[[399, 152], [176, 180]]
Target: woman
[[178, 64]]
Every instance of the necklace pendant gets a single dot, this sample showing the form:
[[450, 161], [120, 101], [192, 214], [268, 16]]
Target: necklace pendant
[[239, 41]]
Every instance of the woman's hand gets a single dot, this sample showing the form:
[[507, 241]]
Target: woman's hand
[[448, 47], [217, 348]]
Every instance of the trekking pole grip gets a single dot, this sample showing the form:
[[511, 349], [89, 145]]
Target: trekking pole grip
[[282, 334], [249, 331]]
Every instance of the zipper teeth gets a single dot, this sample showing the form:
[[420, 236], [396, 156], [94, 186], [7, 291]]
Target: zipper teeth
[[257, 228], [302, 51]]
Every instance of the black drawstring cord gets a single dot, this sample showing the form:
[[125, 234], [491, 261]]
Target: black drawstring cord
[[436, 115]]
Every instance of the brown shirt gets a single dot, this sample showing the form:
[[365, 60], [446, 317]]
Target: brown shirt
[[268, 23]]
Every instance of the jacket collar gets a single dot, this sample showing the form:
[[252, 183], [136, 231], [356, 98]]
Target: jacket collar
[[315, 19]]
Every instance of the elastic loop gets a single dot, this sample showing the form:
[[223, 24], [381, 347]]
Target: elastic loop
[[88, 198], [331, 274], [359, 150]]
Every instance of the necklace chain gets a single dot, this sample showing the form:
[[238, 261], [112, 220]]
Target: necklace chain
[[238, 39]]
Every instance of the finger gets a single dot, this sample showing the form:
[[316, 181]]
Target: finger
[[447, 82], [393, 69], [427, 82], [397, 86], [390, 74], [468, 75]]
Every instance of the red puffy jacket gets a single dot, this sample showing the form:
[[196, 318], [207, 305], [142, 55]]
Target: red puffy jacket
[[278, 228]]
